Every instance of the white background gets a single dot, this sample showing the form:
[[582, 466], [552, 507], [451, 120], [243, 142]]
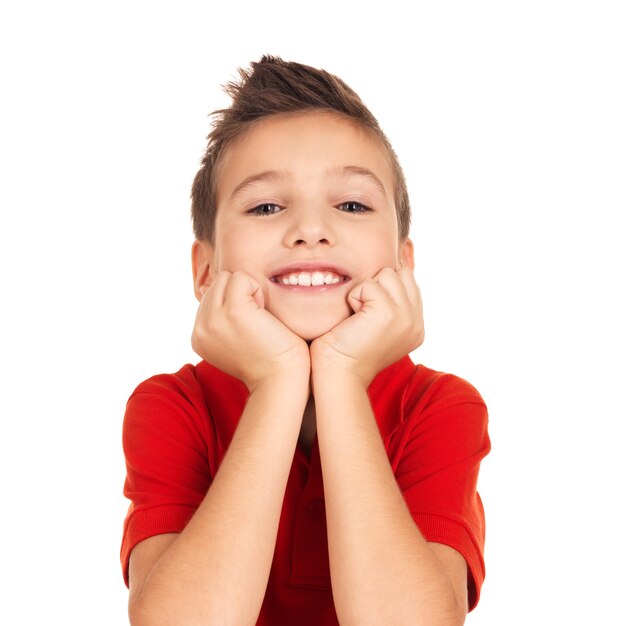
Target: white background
[[508, 118]]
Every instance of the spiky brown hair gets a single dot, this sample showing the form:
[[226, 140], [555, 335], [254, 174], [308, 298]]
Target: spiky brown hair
[[272, 86]]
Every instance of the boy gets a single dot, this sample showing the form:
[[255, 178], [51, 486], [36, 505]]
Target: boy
[[305, 471]]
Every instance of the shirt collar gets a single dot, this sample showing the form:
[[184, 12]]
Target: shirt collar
[[226, 397]]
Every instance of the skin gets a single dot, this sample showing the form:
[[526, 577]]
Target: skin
[[310, 218], [307, 356]]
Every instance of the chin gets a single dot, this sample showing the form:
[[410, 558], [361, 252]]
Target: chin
[[312, 329]]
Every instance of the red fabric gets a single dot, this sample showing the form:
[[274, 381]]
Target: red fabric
[[177, 428]]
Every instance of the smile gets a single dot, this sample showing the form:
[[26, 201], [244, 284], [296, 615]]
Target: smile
[[309, 279]]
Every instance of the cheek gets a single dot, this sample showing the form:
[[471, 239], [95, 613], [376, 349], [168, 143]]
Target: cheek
[[238, 251], [379, 256]]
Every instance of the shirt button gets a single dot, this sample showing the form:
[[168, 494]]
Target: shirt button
[[315, 507]]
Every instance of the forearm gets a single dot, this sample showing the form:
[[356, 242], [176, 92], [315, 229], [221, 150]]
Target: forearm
[[216, 571], [382, 569]]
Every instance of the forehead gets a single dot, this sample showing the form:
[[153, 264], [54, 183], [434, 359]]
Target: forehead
[[311, 144]]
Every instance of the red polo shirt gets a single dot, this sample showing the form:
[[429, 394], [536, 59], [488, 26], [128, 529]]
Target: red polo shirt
[[177, 429]]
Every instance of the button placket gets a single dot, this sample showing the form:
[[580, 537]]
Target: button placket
[[310, 566], [315, 507]]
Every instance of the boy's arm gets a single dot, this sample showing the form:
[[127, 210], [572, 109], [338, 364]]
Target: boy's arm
[[382, 569], [216, 570]]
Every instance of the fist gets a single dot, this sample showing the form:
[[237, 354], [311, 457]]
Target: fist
[[234, 332], [387, 324]]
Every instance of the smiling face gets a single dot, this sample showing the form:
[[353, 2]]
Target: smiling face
[[305, 206]]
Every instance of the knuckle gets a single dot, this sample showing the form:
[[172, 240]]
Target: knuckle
[[239, 275], [197, 336], [384, 275], [388, 315], [232, 315], [195, 341]]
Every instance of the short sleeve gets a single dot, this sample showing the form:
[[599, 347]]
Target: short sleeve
[[167, 471], [445, 440]]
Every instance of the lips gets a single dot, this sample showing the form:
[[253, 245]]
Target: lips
[[310, 274]]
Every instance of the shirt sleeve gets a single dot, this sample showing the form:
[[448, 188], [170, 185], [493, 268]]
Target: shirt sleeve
[[167, 472], [445, 440]]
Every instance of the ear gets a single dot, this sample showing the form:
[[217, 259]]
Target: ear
[[406, 254], [202, 266]]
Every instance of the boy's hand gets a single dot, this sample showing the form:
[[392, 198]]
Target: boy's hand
[[235, 333], [387, 324]]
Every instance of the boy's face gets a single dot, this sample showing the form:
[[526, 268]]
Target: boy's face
[[304, 198]]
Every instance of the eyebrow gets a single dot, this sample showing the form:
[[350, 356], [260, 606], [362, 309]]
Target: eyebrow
[[354, 170], [267, 176], [273, 175]]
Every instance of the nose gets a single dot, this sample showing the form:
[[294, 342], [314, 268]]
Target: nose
[[309, 227]]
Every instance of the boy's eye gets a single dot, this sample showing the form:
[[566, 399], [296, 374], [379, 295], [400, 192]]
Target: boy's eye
[[267, 208], [354, 207]]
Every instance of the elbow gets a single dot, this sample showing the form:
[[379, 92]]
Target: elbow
[[458, 611], [445, 613], [441, 616], [138, 615], [142, 613], [147, 614], [440, 609], [452, 615], [457, 620]]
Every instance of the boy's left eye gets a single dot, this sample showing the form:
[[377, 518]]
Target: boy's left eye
[[352, 206], [267, 208]]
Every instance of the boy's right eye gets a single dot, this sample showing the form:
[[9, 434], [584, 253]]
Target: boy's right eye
[[267, 208]]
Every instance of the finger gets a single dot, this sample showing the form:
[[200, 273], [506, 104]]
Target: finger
[[217, 288], [406, 277], [389, 279], [242, 288], [403, 290], [414, 295], [366, 292]]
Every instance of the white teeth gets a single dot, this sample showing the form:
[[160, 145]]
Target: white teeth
[[307, 279], [317, 278]]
